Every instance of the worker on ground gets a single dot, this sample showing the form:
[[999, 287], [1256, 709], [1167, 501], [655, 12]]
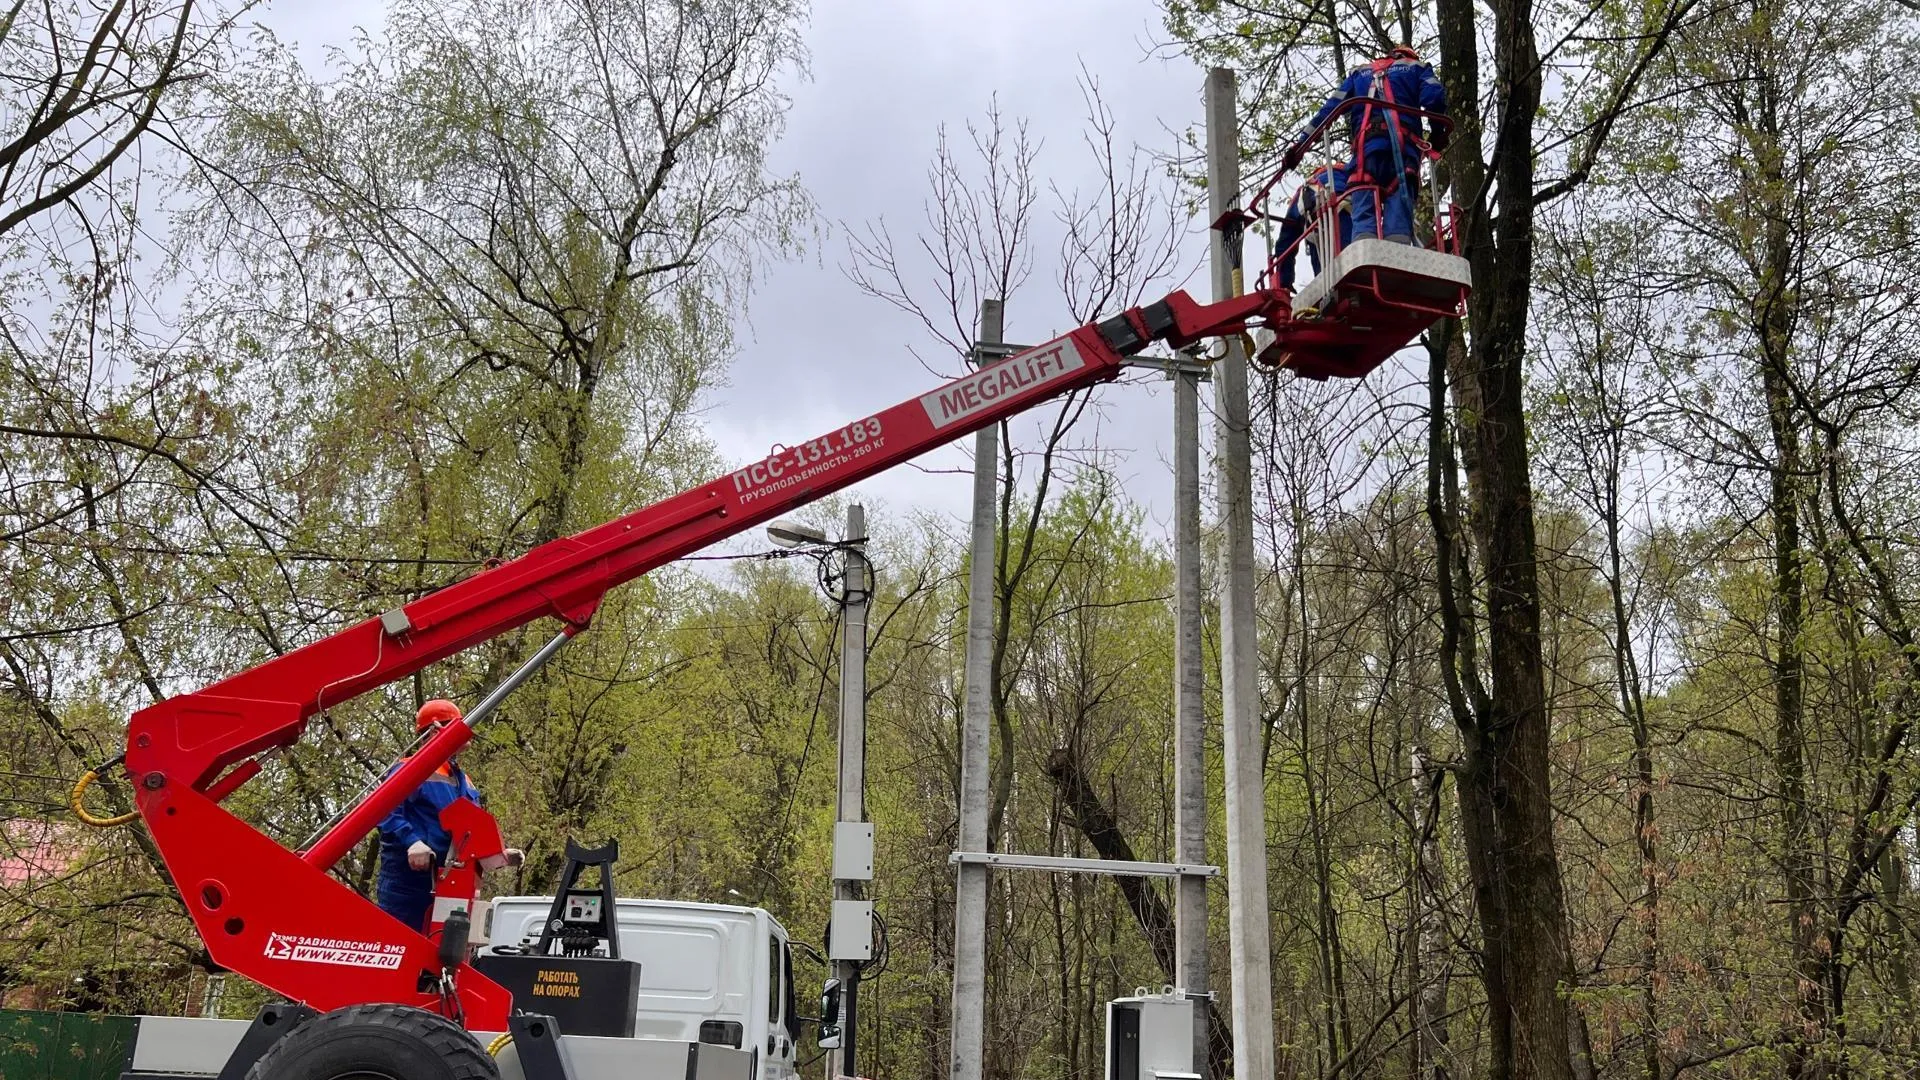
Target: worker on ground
[[412, 841], [1320, 190], [1388, 144]]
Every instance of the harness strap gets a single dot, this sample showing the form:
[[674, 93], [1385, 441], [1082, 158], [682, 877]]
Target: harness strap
[[1381, 90], [1383, 85]]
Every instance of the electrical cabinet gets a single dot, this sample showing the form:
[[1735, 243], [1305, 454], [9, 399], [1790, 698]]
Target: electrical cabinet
[[1157, 1036]]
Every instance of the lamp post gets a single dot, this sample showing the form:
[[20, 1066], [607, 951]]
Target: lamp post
[[850, 933]]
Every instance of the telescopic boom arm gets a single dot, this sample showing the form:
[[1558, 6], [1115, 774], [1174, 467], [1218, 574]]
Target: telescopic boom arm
[[277, 916]]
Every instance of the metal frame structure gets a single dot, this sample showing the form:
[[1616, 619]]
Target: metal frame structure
[[1063, 864]]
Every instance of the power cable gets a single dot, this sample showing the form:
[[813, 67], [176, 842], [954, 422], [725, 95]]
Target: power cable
[[876, 967], [813, 723]]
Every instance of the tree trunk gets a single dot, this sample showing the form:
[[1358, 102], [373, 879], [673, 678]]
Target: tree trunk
[[1430, 939], [1506, 805], [1789, 738], [1772, 320], [1149, 909], [1337, 1022], [1626, 675]]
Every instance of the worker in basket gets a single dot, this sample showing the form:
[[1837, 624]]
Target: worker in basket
[[1320, 192], [412, 840], [1388, 145]]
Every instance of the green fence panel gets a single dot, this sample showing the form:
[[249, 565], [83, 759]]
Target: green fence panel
[[27, 1040], [63, 1046]]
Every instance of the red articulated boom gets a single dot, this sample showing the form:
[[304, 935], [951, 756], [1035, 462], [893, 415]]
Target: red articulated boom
[[278, 917]]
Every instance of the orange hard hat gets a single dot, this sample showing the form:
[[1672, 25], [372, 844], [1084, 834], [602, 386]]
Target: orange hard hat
[[436, 711], [1403, 52]]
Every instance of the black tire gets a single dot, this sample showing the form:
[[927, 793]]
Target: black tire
[[376, 1042]]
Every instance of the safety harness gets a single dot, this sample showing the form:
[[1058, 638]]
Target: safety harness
[[1388, 124]]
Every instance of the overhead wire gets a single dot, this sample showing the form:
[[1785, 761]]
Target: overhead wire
[[813, 723], [824, 575]]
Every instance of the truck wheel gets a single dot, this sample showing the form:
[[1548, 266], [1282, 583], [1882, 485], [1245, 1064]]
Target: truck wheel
[[376, 1042]]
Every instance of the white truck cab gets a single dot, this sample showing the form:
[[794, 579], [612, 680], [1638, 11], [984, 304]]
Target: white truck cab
[[711, 973]]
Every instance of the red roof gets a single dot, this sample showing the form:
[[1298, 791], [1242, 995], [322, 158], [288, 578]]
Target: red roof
[[31, 850]]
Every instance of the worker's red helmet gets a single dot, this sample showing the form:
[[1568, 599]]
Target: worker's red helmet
[[439, 710], [1403, 52]]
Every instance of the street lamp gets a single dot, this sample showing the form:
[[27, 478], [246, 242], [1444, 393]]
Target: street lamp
[[852, 581], [850, 933], [792, 534]]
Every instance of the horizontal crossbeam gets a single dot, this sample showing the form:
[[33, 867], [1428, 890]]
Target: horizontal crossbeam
[[1061, 864]]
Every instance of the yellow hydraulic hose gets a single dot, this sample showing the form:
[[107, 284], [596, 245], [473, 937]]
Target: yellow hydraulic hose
[[499, 1043], [78, 801], [1239, 281]]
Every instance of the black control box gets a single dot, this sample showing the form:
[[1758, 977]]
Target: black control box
[[587, 995]]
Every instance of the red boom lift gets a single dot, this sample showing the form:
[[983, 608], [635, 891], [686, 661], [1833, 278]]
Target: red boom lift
[[280, 918]]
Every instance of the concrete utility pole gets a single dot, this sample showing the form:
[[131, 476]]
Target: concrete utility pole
[[970, 899], [1247, 918], [852, 847], [1189, 707]]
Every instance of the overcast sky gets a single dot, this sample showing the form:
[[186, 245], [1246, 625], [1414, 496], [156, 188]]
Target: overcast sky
[[815, 353]]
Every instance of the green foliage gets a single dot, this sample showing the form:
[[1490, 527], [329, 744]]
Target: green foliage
[[462, 297]]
